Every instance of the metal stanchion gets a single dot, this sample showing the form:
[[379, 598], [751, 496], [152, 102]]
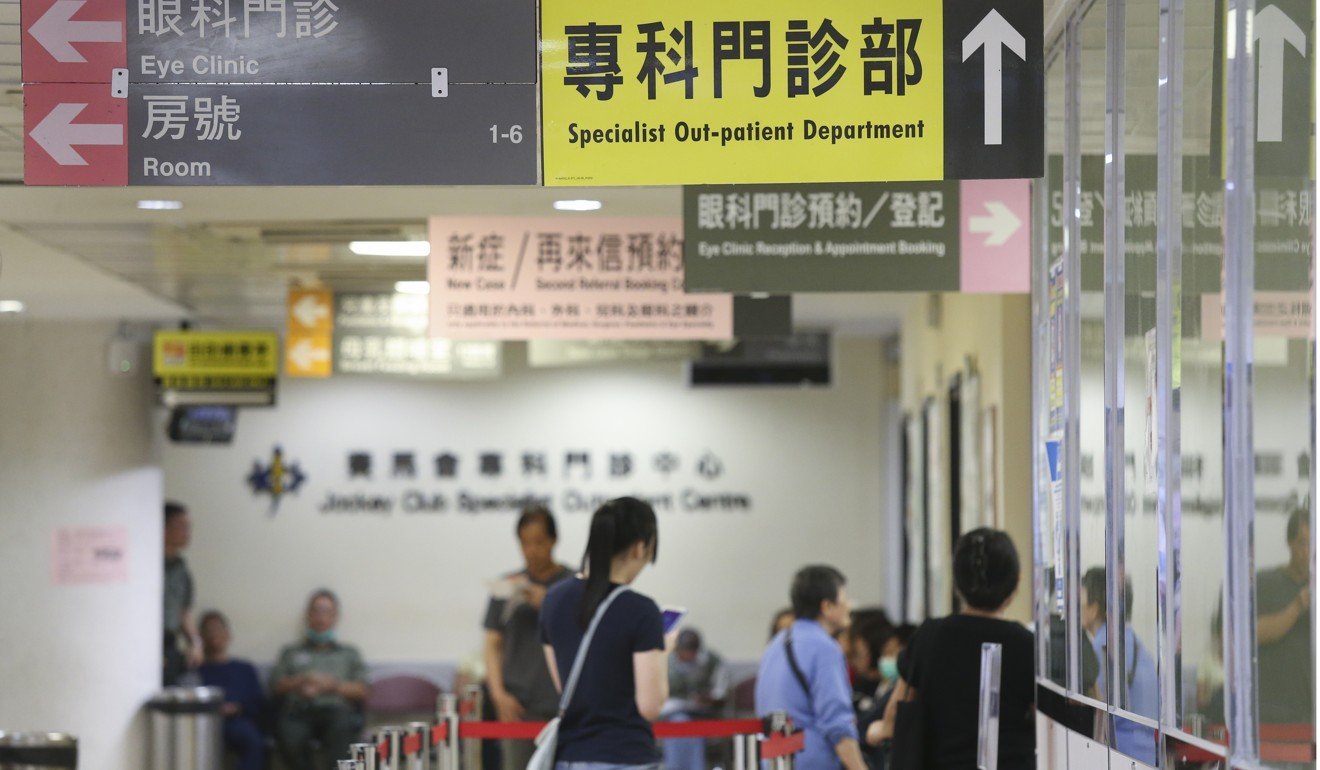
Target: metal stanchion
[[472, 749], [350, 764], [739, 753], [453, 747], [392, 737], [752, 752], [421, 760], [365, 753]]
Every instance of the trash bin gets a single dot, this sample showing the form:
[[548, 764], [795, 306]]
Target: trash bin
[[38, 751], [186, 728]]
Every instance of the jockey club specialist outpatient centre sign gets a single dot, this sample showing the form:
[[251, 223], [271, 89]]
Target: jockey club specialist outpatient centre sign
[[757, 91]]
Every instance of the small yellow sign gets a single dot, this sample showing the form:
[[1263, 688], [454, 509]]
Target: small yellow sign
[[742, 91], [311, 311], [197, 357], [307, 355]]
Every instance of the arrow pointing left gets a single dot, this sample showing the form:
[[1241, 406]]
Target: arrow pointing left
[[57, 31], [57, 134]]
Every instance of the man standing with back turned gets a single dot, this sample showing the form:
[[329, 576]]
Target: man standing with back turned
[[803, 672], [516, 671], [182, 646]]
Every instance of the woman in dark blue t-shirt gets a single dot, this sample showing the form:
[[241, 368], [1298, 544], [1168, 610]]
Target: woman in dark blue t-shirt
[[625, 676]]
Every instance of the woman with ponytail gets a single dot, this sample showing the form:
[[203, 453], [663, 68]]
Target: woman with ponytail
[[939, 682], [624, 673]]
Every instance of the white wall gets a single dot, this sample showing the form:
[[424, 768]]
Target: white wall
[[413, 584], [75, 451]]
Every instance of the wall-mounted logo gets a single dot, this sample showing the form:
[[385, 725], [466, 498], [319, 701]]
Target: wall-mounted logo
[[276, 479]]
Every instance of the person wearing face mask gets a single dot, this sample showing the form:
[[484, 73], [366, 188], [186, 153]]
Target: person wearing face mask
[[871, 723], [321, 685]]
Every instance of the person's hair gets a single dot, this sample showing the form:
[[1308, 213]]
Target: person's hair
[[323, 593], [985, 568], [689, 639], [1097, 591], [534, 513], [211, 615], [903, 633], [774, 621], [811, 586], [173, 509], [616, 526], [1300, 517], [872, 626]]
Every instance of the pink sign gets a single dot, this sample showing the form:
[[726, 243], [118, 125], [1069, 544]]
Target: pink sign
[[589, 277], [1278, 314], [995, 235], [89, 555]]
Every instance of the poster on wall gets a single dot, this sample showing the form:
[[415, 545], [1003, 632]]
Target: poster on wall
[[1057, 294], [515, 278], [89, 556]]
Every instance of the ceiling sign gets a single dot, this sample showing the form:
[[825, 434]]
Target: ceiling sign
[[307, 333], [750, 91], [971, 236], [385, 334], [566, 278], [269, 92], [221, 364]]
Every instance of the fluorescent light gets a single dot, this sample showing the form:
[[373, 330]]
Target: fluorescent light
[[760, 295], [391, 248], [577, 205], [412, 287], [160, 205], [11, 306]]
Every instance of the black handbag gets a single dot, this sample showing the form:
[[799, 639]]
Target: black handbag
[[907, 749]]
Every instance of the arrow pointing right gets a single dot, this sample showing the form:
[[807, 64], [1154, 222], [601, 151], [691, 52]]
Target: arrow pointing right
[[1273, 28], [57, 134], [999, 226], [56, 31], [994, 33]]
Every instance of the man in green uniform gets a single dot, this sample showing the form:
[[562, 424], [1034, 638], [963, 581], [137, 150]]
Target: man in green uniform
[[321, 686], [182, 646]]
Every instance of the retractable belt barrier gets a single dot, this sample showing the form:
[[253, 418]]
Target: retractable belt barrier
[[426, 746]]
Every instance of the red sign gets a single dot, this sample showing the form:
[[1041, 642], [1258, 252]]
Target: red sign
[[74, 134], [72, 41]]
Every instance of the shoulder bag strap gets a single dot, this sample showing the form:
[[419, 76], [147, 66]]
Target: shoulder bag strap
[[793, 663], [581, 657]]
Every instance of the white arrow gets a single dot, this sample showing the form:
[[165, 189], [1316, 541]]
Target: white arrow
[[1273, 28], [58, 134], [999, 225], [56, 31], [994, 34], [303, 355], [308, 311]]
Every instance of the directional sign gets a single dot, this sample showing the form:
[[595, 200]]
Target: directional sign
[[756, 91], [72, 41], [75, 135], [309, 326], [1273, 31], [970, 236]]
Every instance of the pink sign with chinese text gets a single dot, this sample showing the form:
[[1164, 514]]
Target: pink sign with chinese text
[[89, 555], [589, 277], [1278, 314]]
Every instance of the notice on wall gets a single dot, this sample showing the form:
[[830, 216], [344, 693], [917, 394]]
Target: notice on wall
[[385, 333], [496, 278], [89, 555], [774, 91], [971, 236]]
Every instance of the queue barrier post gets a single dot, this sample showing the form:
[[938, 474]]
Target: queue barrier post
[[470, 710], [350, 764], [452, 747], [365, 754], [417, 746], [390, 741]]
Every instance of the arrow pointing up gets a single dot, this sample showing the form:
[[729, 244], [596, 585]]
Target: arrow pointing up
[[56, 31], [57, 134], [999, 226], [1273, 28], [994, 34]]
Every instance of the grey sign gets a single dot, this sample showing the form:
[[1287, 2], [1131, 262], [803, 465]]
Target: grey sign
[[331, 41], [551, 353], [383, 333], [331, 135], [822, 237]]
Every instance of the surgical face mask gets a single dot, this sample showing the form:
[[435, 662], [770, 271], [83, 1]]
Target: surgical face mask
[[889, 668], [321, 637]]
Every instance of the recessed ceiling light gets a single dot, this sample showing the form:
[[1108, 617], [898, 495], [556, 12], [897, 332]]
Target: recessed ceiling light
[[577, 205], [391, 248], [412, 287], [160, 205], [11, 306]]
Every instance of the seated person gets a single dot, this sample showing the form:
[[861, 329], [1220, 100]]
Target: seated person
[[321, 685], [698, 685], [245, 706]]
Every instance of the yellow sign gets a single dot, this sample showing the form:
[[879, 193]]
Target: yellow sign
[[311, 311], [199, 358], [739, 91], [307, 355]]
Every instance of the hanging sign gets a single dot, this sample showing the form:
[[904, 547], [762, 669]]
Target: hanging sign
[[566, 278], [772, 91]]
